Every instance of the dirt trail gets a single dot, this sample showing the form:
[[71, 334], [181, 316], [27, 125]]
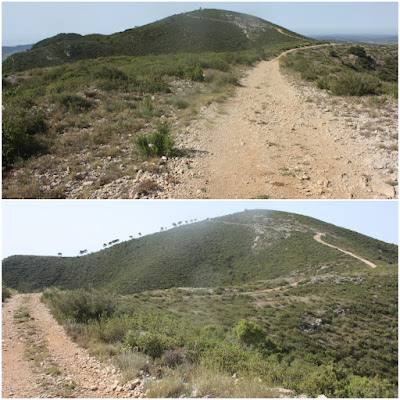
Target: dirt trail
[[293, 284], [78, 374], [18, 380], [317, 237], [268, 141]]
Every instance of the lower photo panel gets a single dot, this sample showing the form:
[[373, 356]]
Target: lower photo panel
[[200, 298]]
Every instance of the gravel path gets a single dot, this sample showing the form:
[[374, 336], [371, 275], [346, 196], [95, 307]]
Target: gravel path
[[269, 141], [18, 380], [57, 367]]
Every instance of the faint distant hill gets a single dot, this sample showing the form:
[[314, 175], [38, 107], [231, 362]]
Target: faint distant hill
[[196, 31], [359, 39], [8, 50]]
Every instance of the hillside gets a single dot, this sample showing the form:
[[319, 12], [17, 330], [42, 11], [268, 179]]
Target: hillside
[[6, 51], [253, 304], [197, 31], [232, 250]]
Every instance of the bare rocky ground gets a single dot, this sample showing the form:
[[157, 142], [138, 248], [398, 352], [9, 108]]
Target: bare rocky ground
[[39, 360]]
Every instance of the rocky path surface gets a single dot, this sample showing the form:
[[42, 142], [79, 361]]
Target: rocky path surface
[[57, 367], [317, 237], [268, 141], [18, 380]]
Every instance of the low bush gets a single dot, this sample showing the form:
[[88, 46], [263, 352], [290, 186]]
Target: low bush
[[174, 387], [5, 292], [110, 73], [249, 333], [149, 84], [146, 108], [80, 306], [370, 388], [149, 343], [358, 51], [173, 357], [74, 103], [181, 104], [353, 84], [190, 72], [159, 143], [19, 138], [133, 363]]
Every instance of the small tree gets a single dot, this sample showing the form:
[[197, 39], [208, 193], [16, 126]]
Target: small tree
[[357, 51], [159, 143]]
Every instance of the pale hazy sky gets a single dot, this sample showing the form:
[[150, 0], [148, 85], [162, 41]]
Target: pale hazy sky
[[29, 22], [46, 227]]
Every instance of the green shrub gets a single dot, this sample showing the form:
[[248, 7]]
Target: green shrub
[[228, 79], [333, 53], [80, 306], [353, 84], [181, 104], [74, 102], [249, 333], [18, 135], [191, 72], [323, 82], [358, 51], [146, 108], [159, 143], [5, 292], [110, 73], [219, 64], [149, 84], [169, 387], [370, 387], [150, 343]]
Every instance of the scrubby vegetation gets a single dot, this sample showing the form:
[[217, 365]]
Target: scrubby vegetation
[[56, 118], [240, 345], [5, 291], [210, 253], [206, 312], [348, 70], [74, 127]]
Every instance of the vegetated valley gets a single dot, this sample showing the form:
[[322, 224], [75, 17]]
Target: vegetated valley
[[253, 304]]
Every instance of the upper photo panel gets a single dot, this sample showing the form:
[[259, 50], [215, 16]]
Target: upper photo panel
[[200, 100]]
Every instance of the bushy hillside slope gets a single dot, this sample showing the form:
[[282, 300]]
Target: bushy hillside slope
[[231, 250], [198, 31]]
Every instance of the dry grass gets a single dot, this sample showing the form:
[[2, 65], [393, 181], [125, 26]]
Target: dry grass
[[133, 364]]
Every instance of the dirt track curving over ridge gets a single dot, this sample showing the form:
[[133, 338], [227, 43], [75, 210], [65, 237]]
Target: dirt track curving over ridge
[[268, 141], [317, 237]]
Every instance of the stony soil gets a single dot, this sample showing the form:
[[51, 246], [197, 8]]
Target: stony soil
[[271, 140], [39, 359]]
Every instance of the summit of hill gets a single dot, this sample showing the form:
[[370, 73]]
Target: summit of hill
[[207, 30]]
